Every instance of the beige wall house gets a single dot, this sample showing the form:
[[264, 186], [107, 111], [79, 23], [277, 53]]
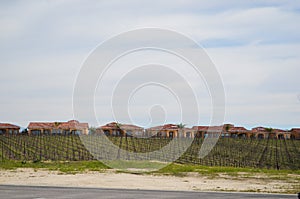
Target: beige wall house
[[280, 134], [117, 129], [170, 131], [237, 131], [295, 133], [209, 131], [263, 133], [58, 128], [229, 130], [11, 129], [260, 132]]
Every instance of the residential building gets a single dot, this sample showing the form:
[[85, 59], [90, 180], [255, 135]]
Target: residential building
[[295, 133], [263, 133], [170, 131], [58, 128], [117, 129], [11, 129]]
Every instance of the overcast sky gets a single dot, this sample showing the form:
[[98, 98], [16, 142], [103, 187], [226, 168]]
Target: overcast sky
[[255, 46]]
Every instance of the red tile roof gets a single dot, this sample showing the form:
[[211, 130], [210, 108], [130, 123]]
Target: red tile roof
[[279, 130], [209, 128], [72, 124], [237, 130], [260, 128], [167, 127], [155, 128], [295, 130], [8, 126], [115, 125], [268, 130], [164, 127]]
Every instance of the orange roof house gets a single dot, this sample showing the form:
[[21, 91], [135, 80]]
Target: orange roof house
[[226, 130], [118, 129], [260, 132], [238, 131], [263, 132], [208, 131], [295, 133], [70, 127], [170, 131], [6, 128]]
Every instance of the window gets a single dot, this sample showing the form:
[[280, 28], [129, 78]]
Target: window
[[159, 134], [188, 134], [66, 132], [36, 132], [56, 131], [106, 132], [260, 136], [129, 133]]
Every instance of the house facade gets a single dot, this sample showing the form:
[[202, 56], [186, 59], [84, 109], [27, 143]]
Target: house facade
[[295, 133], [9, 129], [238, 131], [117, 129], [163, 131], [72, 127], [229, 130], [263, 133], [170, 131], [260, 132], [215, 131]]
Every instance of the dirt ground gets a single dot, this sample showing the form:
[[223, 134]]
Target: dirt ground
[[111, 179]]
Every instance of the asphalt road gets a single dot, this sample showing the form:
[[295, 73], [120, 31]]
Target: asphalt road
[[14, 192]]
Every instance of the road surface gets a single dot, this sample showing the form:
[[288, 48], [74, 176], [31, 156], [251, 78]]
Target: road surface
[[34, 192]]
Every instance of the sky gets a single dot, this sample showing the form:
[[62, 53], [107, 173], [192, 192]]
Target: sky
[[254, 45]]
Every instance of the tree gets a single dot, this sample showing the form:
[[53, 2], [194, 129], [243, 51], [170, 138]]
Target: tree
[[92, 130], [119, 127], [269, 130], [181, 127]]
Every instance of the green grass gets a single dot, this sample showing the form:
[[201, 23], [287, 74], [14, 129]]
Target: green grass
[[171, 169], [143, 166], [183, 169], [65, 167]]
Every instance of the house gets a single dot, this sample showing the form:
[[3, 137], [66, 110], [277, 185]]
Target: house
[[6, 128], [117, 129], [263, 133], [210, 131], [226, 130], [58, 128], [170, 131], [280, 134], [238, 131], [295, 133], [260, 132]]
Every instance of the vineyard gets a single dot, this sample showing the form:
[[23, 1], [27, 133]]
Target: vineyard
[[232, 152]]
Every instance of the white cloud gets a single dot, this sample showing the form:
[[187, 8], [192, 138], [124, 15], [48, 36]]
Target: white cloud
[[255, 46]]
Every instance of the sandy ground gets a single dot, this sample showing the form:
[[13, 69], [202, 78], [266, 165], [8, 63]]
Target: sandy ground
[[131, 181]]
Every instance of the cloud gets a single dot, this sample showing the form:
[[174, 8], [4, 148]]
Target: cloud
[[255, 45]]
